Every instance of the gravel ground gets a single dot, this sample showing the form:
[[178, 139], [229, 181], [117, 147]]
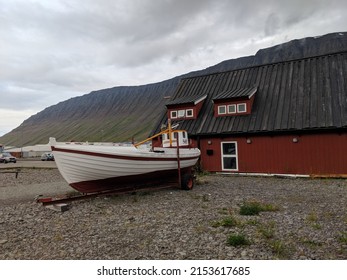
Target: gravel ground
[[308, 221], [30, 183]]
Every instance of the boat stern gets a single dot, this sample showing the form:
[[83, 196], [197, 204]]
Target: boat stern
[[52, 141]]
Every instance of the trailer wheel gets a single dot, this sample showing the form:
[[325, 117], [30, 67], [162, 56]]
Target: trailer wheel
[[187, 182]]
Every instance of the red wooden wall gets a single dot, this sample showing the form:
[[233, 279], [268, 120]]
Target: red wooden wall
[[311, 154]]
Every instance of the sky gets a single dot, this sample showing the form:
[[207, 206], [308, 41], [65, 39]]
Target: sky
[[53, 50]]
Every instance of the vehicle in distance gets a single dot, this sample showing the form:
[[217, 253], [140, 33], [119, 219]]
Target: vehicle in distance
[[7, 157], [47, 157]]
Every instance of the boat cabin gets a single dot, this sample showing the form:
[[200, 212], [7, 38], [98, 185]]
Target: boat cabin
[[181, 135]]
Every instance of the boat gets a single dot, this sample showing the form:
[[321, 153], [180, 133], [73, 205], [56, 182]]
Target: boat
[[93, 168]]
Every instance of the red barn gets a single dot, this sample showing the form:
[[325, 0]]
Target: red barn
[[282, 118]]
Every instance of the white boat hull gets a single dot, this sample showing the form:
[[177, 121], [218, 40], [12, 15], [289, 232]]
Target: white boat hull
[[90, 168]]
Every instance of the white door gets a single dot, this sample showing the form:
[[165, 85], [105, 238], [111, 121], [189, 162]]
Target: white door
[[229, 156]]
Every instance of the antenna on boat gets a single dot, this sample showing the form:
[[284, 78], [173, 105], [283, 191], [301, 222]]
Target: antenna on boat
[[175, 126], [164, 127]]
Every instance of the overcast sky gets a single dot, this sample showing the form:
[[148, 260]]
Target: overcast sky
[[52, 50]]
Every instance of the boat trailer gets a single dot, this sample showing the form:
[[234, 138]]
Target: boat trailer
[[46, 201]]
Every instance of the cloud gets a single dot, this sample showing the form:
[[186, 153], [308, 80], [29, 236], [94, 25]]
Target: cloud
[[53, 50], [12, 118], [272, 24]]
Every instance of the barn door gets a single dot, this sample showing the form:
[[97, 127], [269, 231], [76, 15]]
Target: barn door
[[229, 156]]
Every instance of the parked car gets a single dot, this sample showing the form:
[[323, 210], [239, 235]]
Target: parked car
[[7, 157], [47, 156]]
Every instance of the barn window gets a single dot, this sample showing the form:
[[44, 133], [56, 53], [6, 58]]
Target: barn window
[[229, 156]]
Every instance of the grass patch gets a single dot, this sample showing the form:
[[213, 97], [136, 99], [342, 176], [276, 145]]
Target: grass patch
[[226, 211], [317, 226], [200, 181], [58, 237], [237, 240], [252, 222], [72, 193], [200, 229], [311, 243], [205, 197], [229, 221], [267, 207], [267, 230], [343, 238], [312, 218], [279, 249], [252, 208]]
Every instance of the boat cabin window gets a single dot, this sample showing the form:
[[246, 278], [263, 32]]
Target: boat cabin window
[[182, 139]]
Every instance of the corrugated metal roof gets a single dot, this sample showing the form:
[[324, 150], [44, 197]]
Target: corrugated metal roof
[[304, 94], [187, 100], [236, 93]]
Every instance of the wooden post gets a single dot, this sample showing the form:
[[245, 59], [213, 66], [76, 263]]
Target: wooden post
[[169, 128], [178, 161]]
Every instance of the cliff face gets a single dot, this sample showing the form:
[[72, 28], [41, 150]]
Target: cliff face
[[115, 114], [120, 113]]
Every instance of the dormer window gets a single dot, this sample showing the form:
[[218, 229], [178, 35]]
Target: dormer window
[[173, 114], [234, 102], [222, 110], [189, 113], [241, 108], [187, 107], [232, 109], [181, 113]]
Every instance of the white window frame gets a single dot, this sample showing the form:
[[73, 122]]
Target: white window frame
[[172, 113], [225, 109], [189, 113], [181, 113], [229, 156], [232, 106], [241, 111]]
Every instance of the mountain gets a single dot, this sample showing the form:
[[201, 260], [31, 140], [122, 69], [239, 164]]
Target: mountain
[[120, 113]]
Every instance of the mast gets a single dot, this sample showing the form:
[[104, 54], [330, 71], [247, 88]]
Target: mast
[[169, 128]]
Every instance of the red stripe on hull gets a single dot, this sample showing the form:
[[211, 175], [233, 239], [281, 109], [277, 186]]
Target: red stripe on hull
[[136, 181], [120, 156]]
